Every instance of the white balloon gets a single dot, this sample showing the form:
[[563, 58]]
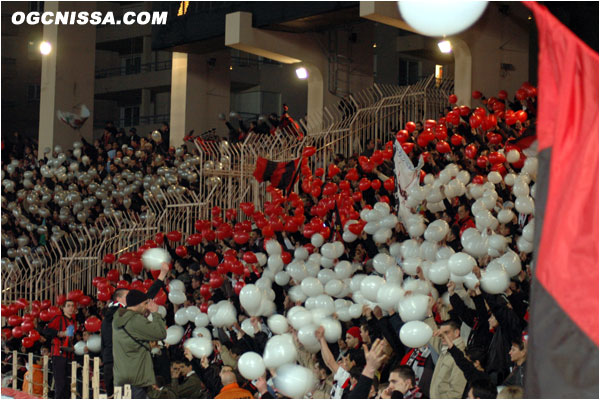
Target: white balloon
[[176, 285], [282, 278], [247, 327], [370, 285], [325, 275], [263, 283], [199, 346], [275, 263], [389, 295], [511, 262], [524, 245], [494, 282], [461, 263], [154, 258], [79, 348], [343, 269], [262, 258], [306, 335], [317, 240], [177, 297], [394, 275], [300, 318], [382, 235], [505, 216], [438, 272], [355, 311], [181, 317], [333, 329], [509, 179], [382, 261], [191, 312], [529, 231], [174, 334], [333, 287], [444, 253], [273, 247], [495, 177], [410, 265], [413, 307], [279, 350], [293, 381], [301, 253], [428, 251], [325, 302], [296, 294], [162, 311], [225, 316], [410, 248], [277, 324], [93, 343], [513, 156], [250, 298], [349, 237], [415, 334], [524, 205], [311, 286], [251, 365], [470, 280], [201, 320], [396, 249]]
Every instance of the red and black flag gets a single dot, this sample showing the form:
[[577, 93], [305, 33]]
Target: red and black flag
[[562, 360], [282, 175]]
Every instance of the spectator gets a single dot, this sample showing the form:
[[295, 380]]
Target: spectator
[[190, 387], [131, 333], [231, 389], [518, 355], [482, 389]]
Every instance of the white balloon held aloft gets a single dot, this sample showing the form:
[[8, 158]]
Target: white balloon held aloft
[[279, 350], [177, 297], [199, 346], [415, 334], [154, 258], [93, 343], [278, 324], [174, 334], [413, 307], [251, 365], [293, 381]]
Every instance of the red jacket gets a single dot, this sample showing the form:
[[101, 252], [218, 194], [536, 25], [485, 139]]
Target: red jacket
[[60, 324]]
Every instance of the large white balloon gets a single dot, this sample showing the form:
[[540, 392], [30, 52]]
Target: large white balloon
[[343, 269], [279, 350], [301, 253], [311, 286], [461, 263], [225, 315], [511, 262], [415, 334], [494, 282], [250, 298], [191, 312], [524, 205], [306, 335], [410, 265], [389, 295], [154, 258], [382, 262], [79, 348], [293, 381], [438, 272], [505, 216], [278, 324], [201, 332], [355, 311], [317, 240], [413, 307], [300, 318], [396, 249], [176, 285], [273, 247], [177, 297], [201, 320], [370, 285], [199, 346], [174, 334], [181, 317], [93, 343], [441, 18], [275, 263], [282, 278], [251, 365], [333, 329], [334, 287]]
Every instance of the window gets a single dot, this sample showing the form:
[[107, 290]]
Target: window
[[33, 93], [183, 8], [409, 72], [133, 65], [439, 74], [130, 116], [36, 6]]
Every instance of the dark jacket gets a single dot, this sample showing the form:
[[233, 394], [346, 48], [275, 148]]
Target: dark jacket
[[471, 373], [477, 320], [191, 388], [517, 376], [362, 388]]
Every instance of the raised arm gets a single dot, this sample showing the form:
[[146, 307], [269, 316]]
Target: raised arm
[[325, 351]]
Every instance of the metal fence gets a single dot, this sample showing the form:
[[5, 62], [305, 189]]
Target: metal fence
[[224, 179]]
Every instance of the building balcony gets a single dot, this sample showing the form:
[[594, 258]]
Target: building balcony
[[146, 76]]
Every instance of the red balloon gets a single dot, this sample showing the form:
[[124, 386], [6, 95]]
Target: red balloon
[[377, 157], [319, 172], [499, 168], [453, 117], [85, 301], [452, 99], [211, 259], [34, 335], [502, 95], [125, 258], [204, 307], [113, 275], [241, 237], [364, 184], [160, 298], [181, 251], [521, 94], [496, 158], [309, 151], [237, 288], [408, 147], [54, 311], [495, 138], [482, 161], [92, 324], [389, 184], [14, 320], [475, 121], [75, 295], [27, 326], [333, 170], [159, 238], [471, 151], [22, 303], [521, 116], [60, 299], [477, 94], [478, 179], [286, 257], [352, 174], [104, 295], [430, 124], [17, 332], [174, 236], [45, 304], [27, 342], [402, 136], [136, 266], [7, 332], [247, 208], [410, 127], [109, 258], [456, 139], [122, 285], [45, 315], [376, 184], [209, 235], [443, 147], [464, 111]]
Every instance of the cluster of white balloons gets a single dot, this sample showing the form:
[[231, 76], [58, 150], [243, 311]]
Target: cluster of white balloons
[[176, 291], [379, 222], [93, 345]]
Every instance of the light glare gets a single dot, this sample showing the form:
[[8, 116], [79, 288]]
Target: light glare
[[45, 48], [301, 73], [445, 46]]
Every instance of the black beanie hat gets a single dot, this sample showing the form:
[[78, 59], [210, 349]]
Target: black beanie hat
[[135, 297]]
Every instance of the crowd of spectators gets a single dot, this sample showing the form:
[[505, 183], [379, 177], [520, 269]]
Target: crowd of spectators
[[479, 345]]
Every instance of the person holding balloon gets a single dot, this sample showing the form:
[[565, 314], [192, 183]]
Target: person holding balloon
[[61, 330]]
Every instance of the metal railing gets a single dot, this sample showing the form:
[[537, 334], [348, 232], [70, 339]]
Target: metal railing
[[224, 179], [134, 70]]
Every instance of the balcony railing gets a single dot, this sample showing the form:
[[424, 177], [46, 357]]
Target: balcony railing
[[127, 123], [134, 70]]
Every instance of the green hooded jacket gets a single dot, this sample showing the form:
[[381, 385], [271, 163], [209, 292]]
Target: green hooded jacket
[[133, 360]]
